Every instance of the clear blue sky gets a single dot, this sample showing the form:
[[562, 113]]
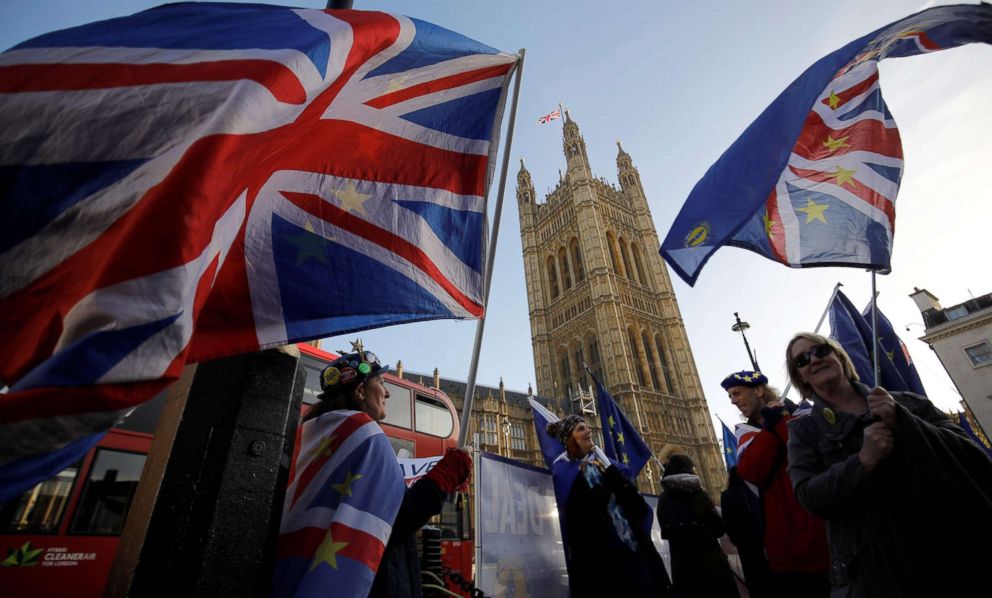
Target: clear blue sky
[[677, 82]]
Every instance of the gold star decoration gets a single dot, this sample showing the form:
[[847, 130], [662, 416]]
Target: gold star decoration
[[357, 346], [324, 448], [309, 245], [835, 144], [351, 199], [611, 421], [625, 459], [620, 438], [327, 552], [814, 211], [843, 175], [833, 101], [345, 487]]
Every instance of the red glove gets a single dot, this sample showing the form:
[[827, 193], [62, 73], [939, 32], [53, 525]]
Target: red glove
[[451, 472]]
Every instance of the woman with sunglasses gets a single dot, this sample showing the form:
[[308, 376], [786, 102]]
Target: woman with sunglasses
[[354, 396], [900, 486]]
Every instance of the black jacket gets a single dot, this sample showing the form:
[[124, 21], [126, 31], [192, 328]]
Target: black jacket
[[599, 563], [692, 526], [399, 570], [908, 527]]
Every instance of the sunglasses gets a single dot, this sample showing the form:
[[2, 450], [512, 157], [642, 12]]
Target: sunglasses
[[802, 360]]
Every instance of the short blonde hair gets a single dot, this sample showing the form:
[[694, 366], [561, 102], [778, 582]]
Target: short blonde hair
[[805, 390]]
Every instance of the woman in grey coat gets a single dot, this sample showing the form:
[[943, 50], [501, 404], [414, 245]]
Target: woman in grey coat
[[903, 490]]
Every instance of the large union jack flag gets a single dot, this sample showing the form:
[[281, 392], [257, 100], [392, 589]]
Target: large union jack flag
[[345, 490], [198, 180], [813, 181]]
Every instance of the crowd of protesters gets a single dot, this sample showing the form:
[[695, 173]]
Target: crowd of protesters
[[838, 498]]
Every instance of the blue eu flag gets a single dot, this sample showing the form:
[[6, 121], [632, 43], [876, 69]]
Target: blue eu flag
[[849, 328], [621, 442], [895, 350], [729, 446]]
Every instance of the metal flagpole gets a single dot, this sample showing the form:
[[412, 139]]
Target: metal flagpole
[[476, 349], [816, 330], [874, 327]]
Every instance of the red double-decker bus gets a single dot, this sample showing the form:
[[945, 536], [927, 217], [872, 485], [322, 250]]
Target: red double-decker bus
[[60, 536]]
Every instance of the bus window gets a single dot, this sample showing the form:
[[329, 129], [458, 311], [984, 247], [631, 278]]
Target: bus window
[[404, 449], [433, 417], [397, 406], [40, 509], [313, 367], [108, 492]]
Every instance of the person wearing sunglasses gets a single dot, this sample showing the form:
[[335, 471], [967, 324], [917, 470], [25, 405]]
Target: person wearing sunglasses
[[795, 541], [901, 487], [352, 388]]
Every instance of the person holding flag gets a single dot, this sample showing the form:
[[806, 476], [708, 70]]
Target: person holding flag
[[349, 523], [878, 466], [605, 522], [795, 541]]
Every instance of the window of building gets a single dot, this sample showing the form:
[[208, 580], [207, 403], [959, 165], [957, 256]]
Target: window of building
[[635, 354], [108, 493], [399, 406], [563, 268], [518, 441], [626, 260], [433, 416], [566, 374], [652, 368], [580, 273], [665, 370], [636, 254], [552, 278], [611, 244], [979, 354], [40, 509], [956, 312]]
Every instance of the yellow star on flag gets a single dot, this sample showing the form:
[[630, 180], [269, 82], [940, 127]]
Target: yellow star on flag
[[843, 175], [324, 448], [814, 211], [345, 487], [769, 222], [620, 438], [308, 245], [835, 144], [611, 421], [327, 552], [625, 459], [833, 101], [351, 199]]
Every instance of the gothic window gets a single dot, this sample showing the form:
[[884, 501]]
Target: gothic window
[[580, 273], [611, 243], [566, 373], [563, 268], [665, 370], [626, 260], [648, 354], [552, 278], [518, 441], [634, 353], [636, 254], [577, 354]]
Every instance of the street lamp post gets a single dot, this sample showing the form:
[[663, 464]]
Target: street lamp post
[[741, 327]]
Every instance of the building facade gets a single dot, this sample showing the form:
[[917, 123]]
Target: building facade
[[600, 295], [961, 336]]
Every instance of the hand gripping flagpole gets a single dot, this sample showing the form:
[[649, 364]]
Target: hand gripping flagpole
[[490, 258], [816, 330]]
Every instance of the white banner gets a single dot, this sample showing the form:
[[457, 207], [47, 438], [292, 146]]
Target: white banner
[[414, 469]]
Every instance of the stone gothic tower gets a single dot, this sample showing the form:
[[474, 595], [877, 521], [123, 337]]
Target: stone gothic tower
[[599, 293]]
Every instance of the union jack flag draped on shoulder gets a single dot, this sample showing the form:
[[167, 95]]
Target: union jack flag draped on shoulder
[[198, 180], [813, 181], [345, 490]]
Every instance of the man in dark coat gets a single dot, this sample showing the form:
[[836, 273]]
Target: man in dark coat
[[742, 514]]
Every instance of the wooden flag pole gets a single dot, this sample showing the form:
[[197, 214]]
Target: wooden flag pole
[[490, 258]]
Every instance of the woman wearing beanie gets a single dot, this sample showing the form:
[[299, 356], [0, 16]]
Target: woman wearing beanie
[[605, 522], [693, 528], [352, 403]]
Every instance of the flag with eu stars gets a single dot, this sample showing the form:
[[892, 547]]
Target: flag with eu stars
[[896, 351], [729, 446], [849, 328], [345, 489], [813, 180], [976, 435], [621, 442], [204, 179]]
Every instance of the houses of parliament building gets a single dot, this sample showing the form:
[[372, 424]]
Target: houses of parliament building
[[600, 296]]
